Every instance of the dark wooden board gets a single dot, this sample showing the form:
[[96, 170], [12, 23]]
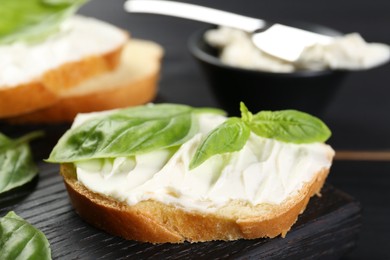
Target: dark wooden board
[[326, 230]]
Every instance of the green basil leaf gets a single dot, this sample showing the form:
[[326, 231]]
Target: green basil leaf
[[5, 142], [33, 20], [127, 132], [229, 137], [61, 2], [289, 126], [246, 116], [16, 163], [201, 110], [21, 240]]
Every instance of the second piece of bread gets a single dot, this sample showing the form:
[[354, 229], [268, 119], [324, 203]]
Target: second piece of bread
[[133, 82]]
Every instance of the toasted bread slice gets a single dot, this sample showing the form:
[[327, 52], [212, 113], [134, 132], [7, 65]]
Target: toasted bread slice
[[43, 92], [33, 75], [133, 82], [156, 222]]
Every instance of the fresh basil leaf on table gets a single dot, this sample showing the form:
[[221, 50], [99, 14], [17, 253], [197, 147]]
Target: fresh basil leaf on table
[[16, 163], [21, 240]]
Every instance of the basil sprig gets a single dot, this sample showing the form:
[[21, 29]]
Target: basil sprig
[[16, 163], [142, 129], [33, 20], [128, 132], [21, 240], [289, 126], [286, 125]]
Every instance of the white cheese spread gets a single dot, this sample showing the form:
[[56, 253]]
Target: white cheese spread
[[264, 171], [78, 38], [349, 52]]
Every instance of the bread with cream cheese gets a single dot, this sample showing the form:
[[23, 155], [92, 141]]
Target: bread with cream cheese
[[89, 65], [43, 92], [34, 76], [156, 222], [133, 82]]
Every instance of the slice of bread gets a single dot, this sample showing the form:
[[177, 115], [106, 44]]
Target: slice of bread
[[33, 75], [156, 222], [133, 82], [43, 92]]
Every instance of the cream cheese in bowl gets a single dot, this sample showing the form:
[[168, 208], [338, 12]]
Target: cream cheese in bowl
[[237, 71], [349, 52]]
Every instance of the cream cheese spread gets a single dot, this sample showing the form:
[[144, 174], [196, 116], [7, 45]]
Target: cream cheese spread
[[264, 171], [348, 52], [78, 38]]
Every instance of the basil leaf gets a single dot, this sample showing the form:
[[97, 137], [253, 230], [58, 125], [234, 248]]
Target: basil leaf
[[289, 126], [21, 240], [216, 111], [229, 137], [4, 142], [33, 20], [59, 2], [16, 163], [127, 132], [246, 116]]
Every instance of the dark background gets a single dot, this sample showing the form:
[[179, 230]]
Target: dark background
[[359, 115]]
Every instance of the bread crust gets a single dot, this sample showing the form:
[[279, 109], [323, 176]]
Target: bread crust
[[136, 85], [70, 74], [155, 222], [43, 92], [66, 109], [25, 98]]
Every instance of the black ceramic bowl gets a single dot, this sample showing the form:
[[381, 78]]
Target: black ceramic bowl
[[309, 91]]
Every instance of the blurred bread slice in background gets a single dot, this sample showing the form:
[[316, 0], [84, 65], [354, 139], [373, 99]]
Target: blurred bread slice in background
[[89, 65], [133, 82]]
